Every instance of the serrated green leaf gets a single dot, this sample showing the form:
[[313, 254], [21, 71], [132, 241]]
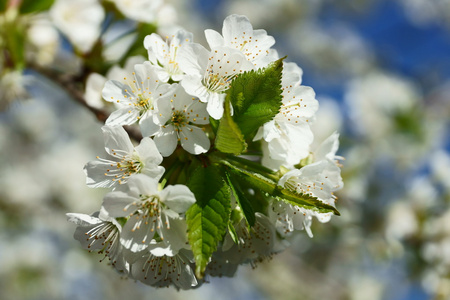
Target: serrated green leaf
[[208, 218], [256, 97], [229, 138], [271, 188], [241, 199], [304, 200], [255, 180]]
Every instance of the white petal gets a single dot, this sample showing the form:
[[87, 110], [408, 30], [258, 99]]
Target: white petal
[[215, 105], [141, 184], [162, 74], [156, 48], [192, 84], [136, 235], [235, 26], [123, 116], [166, 140], [146, 77], [93, 91], [148, 152], [163, 108], [148, 127], [82, 219], [292, 74], [119, 204], [193, 59], [95, 175], [114, 91], [328, 148], [161, 249], [199, 115], [177, 197], [194, 140], [175, 236], [214, 38], [116, 138]]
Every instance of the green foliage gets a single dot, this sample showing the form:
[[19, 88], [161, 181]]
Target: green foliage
[[271, 188], [256, 98], [229, 137], [208, 218], [35, 6], [214, 124], [241, 199], [12, 40], [3, 4]]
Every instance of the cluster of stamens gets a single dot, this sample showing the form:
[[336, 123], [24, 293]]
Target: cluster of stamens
[[217, 83], [126, 166], [295, 186], [246, 45], [167, 268], [172, 67], [149, 214], [105, 237], [178, 119], [139, 97], [290, 111]]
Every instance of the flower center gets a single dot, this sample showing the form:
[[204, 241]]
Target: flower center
[[150, 216], [172, 66], [123, 169], [103, 237], [217, 83], [178, 119], [144, 103], [164, 268], [150, 206]]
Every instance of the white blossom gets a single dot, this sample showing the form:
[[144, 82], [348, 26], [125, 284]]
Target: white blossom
[[163, 271], [153, 214], [209, 74], [178, 118], [95, 81], [139, 10], [100, 232], [136, 96], [319, 179], [289, 134], [79, 20], [238, 33], [164, 54], [124, 160]]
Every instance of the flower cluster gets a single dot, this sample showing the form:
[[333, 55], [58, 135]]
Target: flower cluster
[[224, 172]]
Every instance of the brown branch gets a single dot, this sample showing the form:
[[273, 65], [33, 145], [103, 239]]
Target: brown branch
[[73, 86]]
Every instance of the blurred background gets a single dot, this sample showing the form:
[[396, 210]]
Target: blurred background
[[381, 72]]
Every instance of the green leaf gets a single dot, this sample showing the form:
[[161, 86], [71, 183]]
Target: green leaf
[[233, 233], [304, 200], [271, 188], [208, 218], [214, 124], [229, 138], [256, 97], [35, 6], [3, 4], [241, 199]]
